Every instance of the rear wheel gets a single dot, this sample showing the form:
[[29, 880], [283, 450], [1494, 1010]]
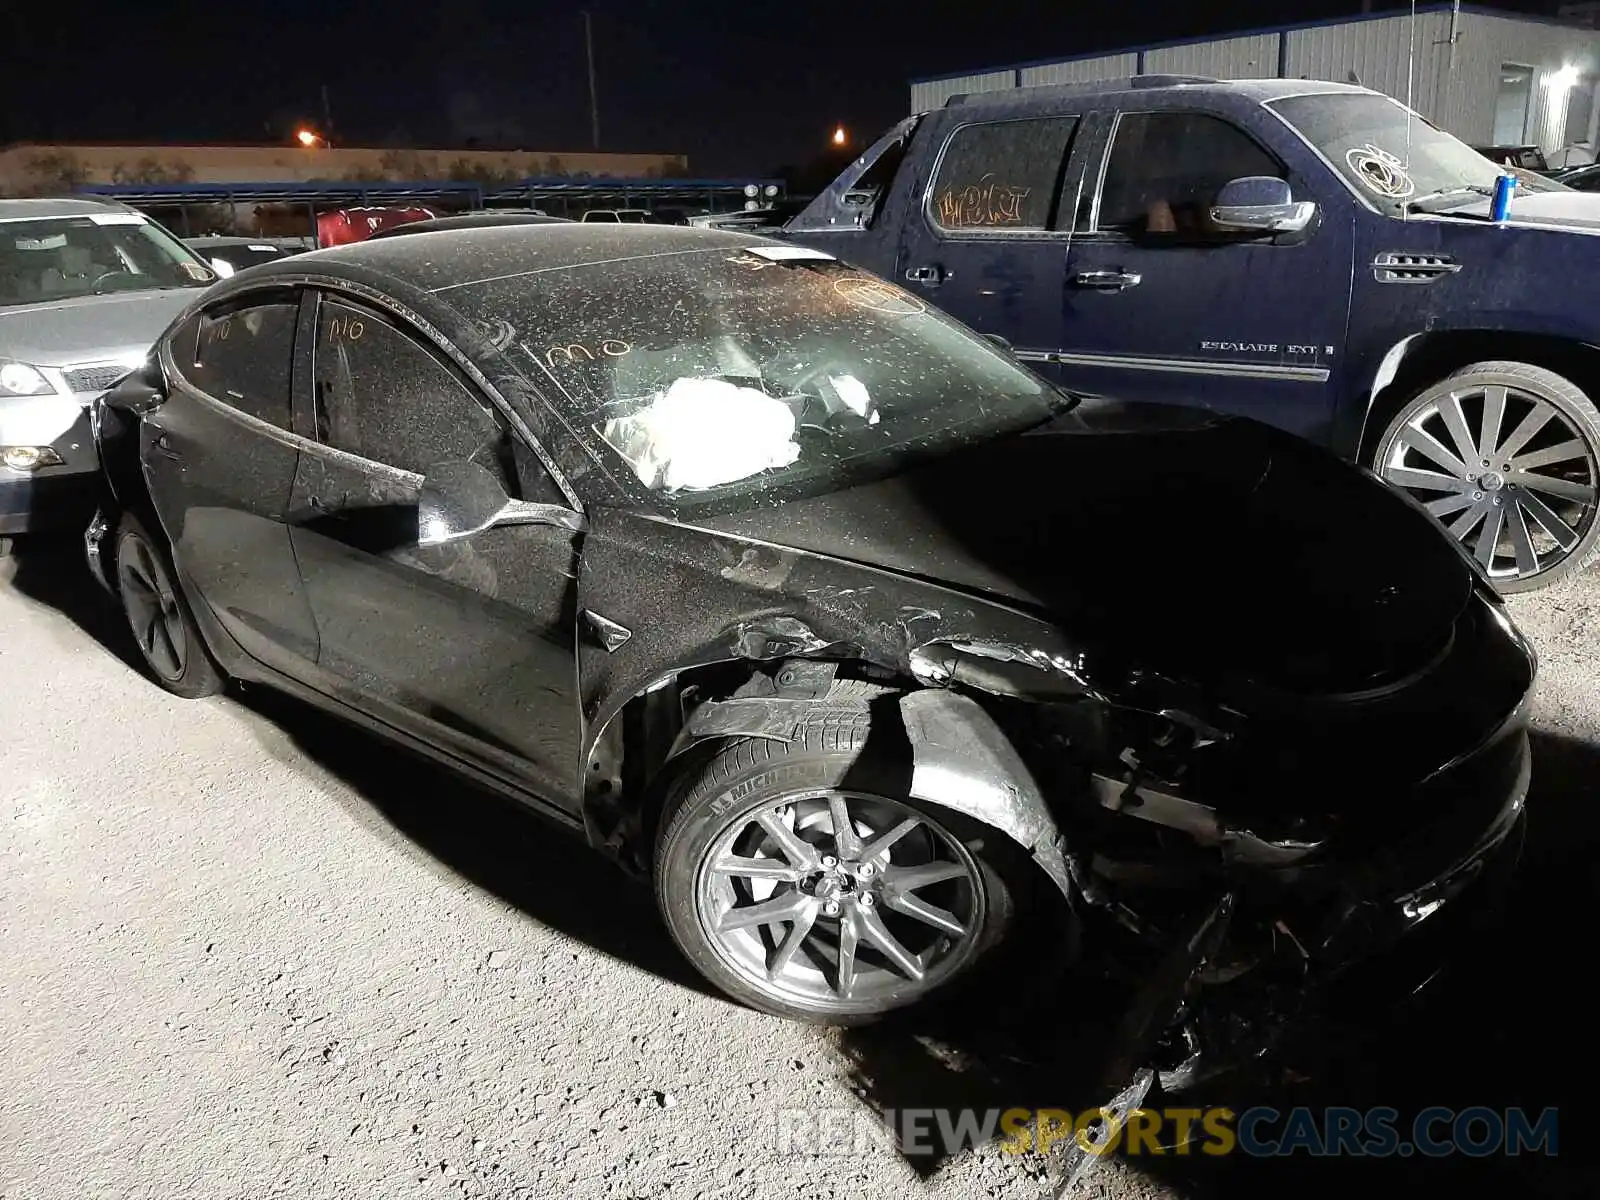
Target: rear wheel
[[170, 642], [1507, 456], [801, 880]]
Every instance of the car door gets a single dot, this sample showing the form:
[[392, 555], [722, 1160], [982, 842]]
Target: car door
[[1163, 306], [469, 645], [219, 460], [989, 242]]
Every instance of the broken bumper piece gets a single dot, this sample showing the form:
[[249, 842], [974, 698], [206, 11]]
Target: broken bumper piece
[[1385, 932], [1396, 923]]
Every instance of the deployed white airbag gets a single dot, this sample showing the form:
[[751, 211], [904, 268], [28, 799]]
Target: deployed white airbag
[[704, 433]]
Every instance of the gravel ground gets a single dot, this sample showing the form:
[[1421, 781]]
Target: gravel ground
[[252, 953]]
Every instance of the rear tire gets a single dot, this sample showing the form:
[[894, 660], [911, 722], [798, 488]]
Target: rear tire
[[913, 919], [170, 643], [1506, 455]]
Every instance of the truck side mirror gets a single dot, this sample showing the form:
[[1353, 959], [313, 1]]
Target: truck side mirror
[[1261, 204]]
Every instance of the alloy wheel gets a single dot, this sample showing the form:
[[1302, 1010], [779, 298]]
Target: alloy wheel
[[1509, 474], [840, 901], [152, 606]]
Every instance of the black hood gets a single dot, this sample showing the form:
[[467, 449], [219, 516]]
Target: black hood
[[1197, 544]]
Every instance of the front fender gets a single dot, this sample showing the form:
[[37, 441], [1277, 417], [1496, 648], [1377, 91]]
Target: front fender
[[961, 760]]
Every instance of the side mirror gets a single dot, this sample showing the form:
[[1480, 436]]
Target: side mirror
[[460, 499], [1261, 204], [222, 267]]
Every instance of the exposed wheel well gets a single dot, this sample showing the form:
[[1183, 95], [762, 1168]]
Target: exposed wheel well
[[1432, 356], [629, 776]]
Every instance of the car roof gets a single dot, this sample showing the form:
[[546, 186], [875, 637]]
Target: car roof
[[45, 208], [1259, 90], [458, 257], [476, 220]]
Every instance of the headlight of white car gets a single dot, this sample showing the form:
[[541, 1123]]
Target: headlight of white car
[[19, 379], [29, 458]]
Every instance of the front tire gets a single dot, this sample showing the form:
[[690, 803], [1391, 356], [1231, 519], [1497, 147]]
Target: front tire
[[801, 880], [169, 640], [1506, 455]]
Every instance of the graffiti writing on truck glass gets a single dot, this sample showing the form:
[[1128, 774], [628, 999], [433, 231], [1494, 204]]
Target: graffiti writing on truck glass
[[985, 203]]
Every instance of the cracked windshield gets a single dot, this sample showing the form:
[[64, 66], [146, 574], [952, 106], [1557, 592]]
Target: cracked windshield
[[711, 372]]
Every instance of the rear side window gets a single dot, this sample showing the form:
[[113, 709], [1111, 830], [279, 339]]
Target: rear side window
[[1003, 175], [1166, 169], [383, 396], [241, 356]]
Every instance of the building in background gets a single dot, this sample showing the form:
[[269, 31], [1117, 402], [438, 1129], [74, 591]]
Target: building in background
[[1587, 14], [1487, 77], [36, 169]]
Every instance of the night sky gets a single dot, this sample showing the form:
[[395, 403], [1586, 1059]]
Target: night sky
[[739, 86]]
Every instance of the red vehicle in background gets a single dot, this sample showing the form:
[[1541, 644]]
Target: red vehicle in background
[[346, 225]]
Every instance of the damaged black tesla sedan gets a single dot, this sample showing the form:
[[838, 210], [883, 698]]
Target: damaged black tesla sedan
[[870, 648]]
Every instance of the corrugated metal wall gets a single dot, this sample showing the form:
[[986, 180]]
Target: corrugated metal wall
[[1456, 91], [1230, 58], [1082, 70], [1375, 54], [1486, 44], [934, 92]]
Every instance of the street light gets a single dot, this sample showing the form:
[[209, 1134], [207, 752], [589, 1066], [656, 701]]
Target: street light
[[839, 136], [309, 138]]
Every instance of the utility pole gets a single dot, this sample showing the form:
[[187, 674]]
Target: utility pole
[[327, 119], [594, 98]]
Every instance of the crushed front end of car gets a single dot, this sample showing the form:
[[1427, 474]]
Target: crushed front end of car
[[1249, 858]]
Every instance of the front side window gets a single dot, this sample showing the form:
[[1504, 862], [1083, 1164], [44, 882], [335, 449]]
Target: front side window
[[1166, 169], [382, 396], [60, 258], [1392, 156], [737, 375], [241, 356], [1002, 175]]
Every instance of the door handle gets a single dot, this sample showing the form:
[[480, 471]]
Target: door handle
[[933, 273], [164, 447], [317, 505], [1107, 281]]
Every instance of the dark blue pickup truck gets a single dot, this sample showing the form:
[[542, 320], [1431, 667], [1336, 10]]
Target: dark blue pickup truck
[[1314, 255]]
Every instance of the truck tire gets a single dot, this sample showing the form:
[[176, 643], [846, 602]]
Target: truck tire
[[1506, 455], [770, 903]]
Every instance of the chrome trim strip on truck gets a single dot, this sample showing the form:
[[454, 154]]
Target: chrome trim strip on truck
[[1182, 366]]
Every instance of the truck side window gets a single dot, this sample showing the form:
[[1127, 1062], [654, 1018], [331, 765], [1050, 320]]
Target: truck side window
[[1166, 169], [1002, 176]]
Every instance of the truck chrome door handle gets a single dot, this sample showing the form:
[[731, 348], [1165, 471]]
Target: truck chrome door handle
[[1107, 281], [164, 447], [929, 274]]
